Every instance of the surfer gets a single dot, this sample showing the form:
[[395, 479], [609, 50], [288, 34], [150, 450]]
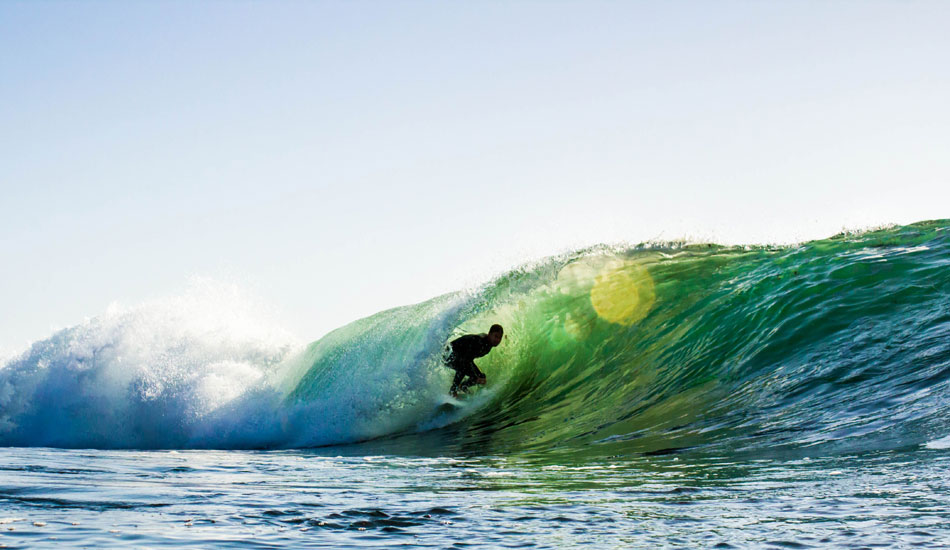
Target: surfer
[[464, 350]]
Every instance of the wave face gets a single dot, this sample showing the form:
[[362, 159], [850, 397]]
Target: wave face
[[841, 343]]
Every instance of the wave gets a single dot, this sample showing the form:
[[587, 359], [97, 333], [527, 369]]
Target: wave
[[841, 343]]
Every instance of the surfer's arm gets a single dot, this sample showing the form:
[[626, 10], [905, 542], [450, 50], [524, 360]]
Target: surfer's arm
[[478, 374]]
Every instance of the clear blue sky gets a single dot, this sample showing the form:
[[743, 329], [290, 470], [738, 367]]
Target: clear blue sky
[[342, 158]]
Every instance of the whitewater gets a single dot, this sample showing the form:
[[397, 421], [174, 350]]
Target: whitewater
[[667, 393]]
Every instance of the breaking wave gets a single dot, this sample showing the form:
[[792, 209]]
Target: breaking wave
[[842, 343]]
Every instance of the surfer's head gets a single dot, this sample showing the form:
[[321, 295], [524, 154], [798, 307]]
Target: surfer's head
[[494, 334]]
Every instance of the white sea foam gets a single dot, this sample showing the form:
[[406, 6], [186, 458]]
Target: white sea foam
[[942, 443], [140, 376]]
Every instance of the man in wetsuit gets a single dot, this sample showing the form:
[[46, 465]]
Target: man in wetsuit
[[464, 350]]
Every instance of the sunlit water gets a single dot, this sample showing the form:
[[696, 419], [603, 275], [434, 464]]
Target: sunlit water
[[296, 499]]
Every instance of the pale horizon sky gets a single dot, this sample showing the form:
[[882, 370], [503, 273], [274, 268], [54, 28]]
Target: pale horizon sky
[[338, 159]]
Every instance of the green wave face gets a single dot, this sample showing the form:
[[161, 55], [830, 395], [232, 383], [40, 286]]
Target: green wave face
[[842, 343]]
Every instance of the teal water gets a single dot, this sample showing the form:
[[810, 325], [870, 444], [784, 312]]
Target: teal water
[[668, 394], [52, 498]]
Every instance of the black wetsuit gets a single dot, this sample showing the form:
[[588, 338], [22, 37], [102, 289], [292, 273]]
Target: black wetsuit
[[460, 358]]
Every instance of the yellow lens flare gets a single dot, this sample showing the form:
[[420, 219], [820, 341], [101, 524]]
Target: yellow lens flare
[[623, 294]]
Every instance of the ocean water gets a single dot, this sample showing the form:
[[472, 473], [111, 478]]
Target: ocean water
[[54, 498], [666, 394]]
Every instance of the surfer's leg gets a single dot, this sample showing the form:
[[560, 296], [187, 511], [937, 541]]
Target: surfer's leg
[[470, 373], [459, 375]]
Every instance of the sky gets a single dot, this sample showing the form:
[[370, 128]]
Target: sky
[[341, 158]]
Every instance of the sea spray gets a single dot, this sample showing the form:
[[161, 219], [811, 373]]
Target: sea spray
[[143, 376]]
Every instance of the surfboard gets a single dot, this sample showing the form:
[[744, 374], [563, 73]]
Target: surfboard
[[446, 408], [449, 404]]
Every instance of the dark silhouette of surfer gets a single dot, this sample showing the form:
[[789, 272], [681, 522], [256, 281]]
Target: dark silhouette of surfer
[[466, 348]]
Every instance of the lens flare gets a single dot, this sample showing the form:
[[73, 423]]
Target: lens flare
[[624, 294]]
